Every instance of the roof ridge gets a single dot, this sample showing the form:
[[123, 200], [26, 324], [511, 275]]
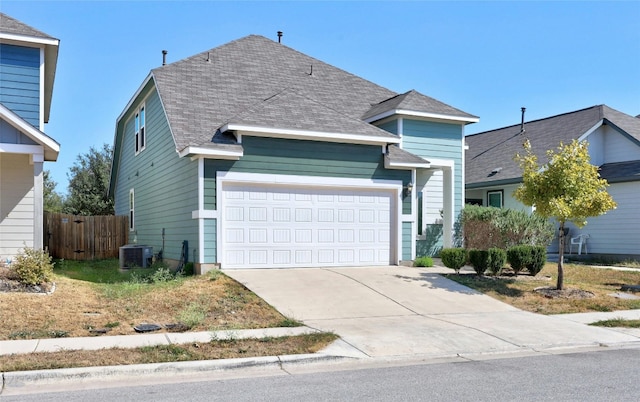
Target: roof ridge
[[538, 120], [22, 26]]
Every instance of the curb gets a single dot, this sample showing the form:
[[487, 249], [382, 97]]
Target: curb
[[21, 380]]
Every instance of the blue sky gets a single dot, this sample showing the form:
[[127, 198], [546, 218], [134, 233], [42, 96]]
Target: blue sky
[[486, 58]]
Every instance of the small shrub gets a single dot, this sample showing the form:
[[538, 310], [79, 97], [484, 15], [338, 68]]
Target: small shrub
[[33, 267], [497, 259], [162, 275], [423, 262], [480, 260], [188, 269], [538, 259], [454, 258], [519, 257]]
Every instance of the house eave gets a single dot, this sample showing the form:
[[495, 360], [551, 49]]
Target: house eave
[[482, 184], [209, 153], [388, 164], [424, 115], [256, 131], [51, 147]]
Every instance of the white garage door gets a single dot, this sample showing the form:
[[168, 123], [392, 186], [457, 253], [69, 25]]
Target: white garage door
[[294, 226]]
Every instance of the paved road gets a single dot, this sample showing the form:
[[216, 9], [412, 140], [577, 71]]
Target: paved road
[[596, 376]]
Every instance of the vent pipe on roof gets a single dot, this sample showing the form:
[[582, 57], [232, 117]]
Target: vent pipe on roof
[[279, 36], [164, 57], [522, 122]]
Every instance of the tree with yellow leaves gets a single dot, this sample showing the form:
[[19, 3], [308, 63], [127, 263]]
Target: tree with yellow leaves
[[568, 188]]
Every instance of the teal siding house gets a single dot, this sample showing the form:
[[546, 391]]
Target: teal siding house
[[259, 156], [28, 59]]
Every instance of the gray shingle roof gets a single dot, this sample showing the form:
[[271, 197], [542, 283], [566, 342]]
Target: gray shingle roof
[[621, 171], [398, 155], [495, 149], [254, 80], [416, 102], [13, 26], [292, 110]]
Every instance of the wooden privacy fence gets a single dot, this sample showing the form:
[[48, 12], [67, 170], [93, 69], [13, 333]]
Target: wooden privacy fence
[[76, 237]]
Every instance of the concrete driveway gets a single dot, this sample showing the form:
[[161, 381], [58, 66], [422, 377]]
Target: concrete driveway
[[395, 311]]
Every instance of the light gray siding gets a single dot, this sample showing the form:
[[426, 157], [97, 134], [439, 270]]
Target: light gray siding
[[407, 239], [165, 185], [17, 204], [20, 83]]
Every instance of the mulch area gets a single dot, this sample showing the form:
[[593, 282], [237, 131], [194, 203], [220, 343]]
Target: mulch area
[[553, 293], [9, 283]]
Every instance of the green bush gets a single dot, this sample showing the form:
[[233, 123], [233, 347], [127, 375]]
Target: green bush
[[538, 259], [454, 258], [423, 262], [480, 260], [519, 257], [486, 227], [497, 258], [33, 267]]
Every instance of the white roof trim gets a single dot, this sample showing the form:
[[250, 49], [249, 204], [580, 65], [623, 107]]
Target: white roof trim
[[134, 97], [404, 165], [30, 131], [308, 135], [425, 115], [591, 130], [30, 39], [211, 153]]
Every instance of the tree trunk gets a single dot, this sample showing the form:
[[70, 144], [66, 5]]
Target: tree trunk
[[561, 240]]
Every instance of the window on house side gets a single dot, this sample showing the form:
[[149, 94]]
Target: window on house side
[[140, 139], [494, 199], [131, 210]]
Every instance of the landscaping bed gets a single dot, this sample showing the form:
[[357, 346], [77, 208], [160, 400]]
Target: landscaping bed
[[587, 289]]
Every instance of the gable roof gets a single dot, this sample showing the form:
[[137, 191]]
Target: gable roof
[[489, 159], [413, 103], [51, 147], [13, 31], [254, 81]]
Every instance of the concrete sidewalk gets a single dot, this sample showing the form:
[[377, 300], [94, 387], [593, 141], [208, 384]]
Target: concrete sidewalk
[[141, 340]]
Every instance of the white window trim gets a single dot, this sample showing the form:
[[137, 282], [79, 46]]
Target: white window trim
[[132, 210], [140, 111]]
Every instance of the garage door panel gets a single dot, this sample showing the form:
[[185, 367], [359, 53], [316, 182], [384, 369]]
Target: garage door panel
[[280, 226]]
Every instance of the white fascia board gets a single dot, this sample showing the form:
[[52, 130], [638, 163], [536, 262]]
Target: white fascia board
[[21, 125], [211, 153], [309, 135], [424, 115], [10, 38], [440, 163], [405, 165], [591, 130], [134, 97], [21, 149]]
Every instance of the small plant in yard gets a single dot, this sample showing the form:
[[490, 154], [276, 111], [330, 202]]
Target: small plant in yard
[[497, 258], [538, 259], [162, 274], [454, 258], [479, 259], [519, 257], [617, 323], [192, 315], [423, 262], [289, 322], [33, 267]]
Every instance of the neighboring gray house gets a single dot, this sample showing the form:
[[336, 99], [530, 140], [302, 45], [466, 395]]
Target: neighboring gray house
[[261, 156], [614, 145], [28, 60]]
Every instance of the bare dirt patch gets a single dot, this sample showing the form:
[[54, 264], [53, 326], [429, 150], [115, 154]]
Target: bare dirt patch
[[554, 293]]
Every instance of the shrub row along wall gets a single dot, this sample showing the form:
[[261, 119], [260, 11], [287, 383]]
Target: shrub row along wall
[[76, 237]]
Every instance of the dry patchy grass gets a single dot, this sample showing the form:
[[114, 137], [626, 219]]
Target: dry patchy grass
[[227, 349], [519, 292], [77, 306]]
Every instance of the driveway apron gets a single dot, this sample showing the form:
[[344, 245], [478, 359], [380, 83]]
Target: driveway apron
[[404, 311]]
